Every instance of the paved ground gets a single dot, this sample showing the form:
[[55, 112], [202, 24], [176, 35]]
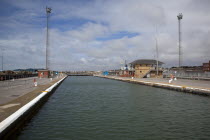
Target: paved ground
[[15, 95], [10, 89], [182, 82]]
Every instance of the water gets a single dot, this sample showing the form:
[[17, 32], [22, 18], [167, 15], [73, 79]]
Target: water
[[91, 108]]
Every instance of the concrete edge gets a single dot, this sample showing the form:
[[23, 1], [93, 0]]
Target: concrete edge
[[188, 89], [7, 124]]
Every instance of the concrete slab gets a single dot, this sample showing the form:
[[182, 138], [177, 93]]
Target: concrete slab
[[10, 90], [9, 105], [14, 97], [180, 82], [201, 87]]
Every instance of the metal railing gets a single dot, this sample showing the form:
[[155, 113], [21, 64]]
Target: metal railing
[[15, 76], [16, 83], [187, 74]]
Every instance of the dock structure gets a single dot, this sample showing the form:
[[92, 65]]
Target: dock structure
[[20, 100], [197, 87], [80, 73]]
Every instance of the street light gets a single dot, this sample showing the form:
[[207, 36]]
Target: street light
[[180, 16], [48, 11]]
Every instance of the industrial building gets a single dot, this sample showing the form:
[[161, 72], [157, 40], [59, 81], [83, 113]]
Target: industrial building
[[206, 66], [146, 68]]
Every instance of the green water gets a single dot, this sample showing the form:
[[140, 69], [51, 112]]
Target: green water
[[92, 108]]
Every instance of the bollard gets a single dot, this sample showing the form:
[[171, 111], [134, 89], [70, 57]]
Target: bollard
[[35, 82]]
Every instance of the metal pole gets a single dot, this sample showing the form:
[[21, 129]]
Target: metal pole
[[156, 53], [179, 44], [47, 40], [157, 56], [179, 29], [2, 60], [48, 11]]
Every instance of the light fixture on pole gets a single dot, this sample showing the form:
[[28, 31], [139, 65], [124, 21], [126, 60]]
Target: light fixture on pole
[[180, 16]]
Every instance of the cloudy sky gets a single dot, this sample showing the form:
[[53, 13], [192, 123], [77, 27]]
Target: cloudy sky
[[102, 34]]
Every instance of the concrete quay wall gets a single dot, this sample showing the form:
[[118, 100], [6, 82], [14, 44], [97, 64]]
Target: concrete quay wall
[[12, 124], [181, 88]]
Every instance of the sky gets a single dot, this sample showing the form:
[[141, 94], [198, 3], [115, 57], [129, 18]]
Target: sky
[[102, 34]]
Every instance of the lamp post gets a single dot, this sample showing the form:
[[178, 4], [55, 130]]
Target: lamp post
[[180, 16], [48, 11], [2, 60]]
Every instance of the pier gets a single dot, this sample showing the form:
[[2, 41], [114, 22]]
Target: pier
[[86, 107], [199, 87], [20, 99], [79, 73]]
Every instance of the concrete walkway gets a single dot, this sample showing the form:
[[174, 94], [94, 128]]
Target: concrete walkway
[[200, 87], [15, 94], [180, 82], [10, 90]]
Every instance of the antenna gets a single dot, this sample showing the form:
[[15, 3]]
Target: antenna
[[180, 16]]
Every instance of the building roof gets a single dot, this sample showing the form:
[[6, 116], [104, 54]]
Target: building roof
[[43, 70], [146, 61]]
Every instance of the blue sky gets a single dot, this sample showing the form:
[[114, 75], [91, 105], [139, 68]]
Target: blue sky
[[102, 34]]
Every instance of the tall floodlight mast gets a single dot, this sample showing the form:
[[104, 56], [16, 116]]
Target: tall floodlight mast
[[48, 11], [180, 16]]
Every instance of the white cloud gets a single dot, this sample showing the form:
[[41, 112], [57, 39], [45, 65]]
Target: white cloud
[[23, 33]]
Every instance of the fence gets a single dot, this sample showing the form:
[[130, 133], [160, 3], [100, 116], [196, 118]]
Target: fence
[[15, 76], [16, 83]]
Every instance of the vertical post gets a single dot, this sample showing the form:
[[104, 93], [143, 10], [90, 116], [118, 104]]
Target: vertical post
[[48, 11], [179, 30], [156, 40], [157, 57], [179, 44], [2, 60]]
